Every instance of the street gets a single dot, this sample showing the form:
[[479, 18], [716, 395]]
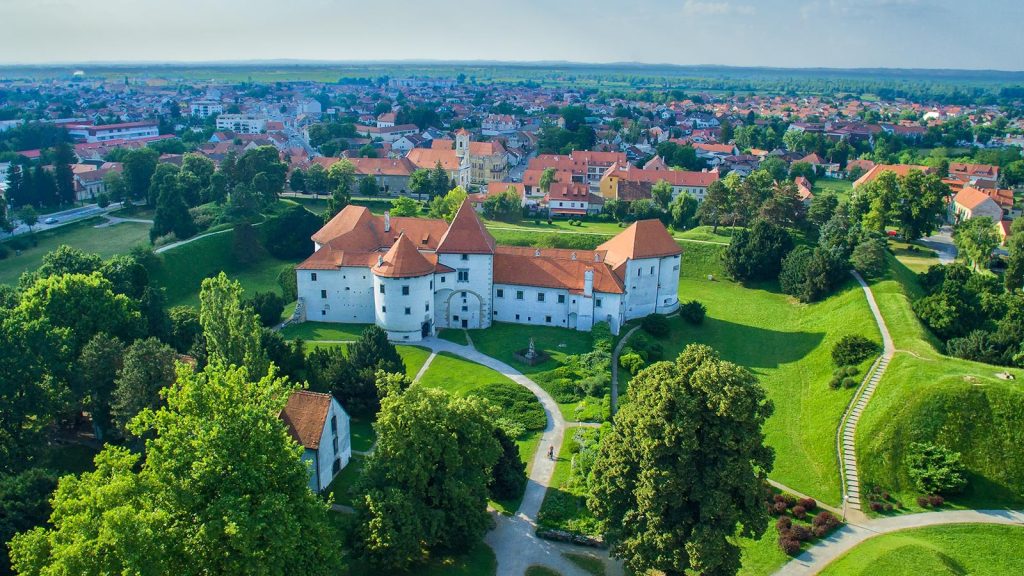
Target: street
[[64, 217]]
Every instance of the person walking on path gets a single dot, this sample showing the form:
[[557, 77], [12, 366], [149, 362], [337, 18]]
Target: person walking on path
[[551, 452]]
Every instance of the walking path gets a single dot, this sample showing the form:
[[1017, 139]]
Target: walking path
[[513, 539], [423, 369], [174, 245], [114, 220], [615, 368], [818, 556], [846, 442]]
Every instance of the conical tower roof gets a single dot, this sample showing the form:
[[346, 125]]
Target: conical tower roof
[[403, 260]]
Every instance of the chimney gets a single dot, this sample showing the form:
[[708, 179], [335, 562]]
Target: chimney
[[387, 221], [588, 282]]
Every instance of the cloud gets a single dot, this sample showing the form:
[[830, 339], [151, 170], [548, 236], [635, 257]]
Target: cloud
[[697, 8]]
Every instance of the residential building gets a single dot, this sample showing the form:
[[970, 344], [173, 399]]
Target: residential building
[[973, 203], [106, 132], [205, 108], [625, 182], [480, 163], [411, 276], [242, 123], [898, 169]]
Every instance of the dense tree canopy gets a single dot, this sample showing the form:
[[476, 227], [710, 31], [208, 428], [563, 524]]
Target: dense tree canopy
[[684, 469]]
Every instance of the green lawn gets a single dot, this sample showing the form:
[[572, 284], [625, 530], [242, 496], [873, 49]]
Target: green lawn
[[362, 432], [788, 346], [342, 485], [565, 506], [976, 549], [916, 258], [324, 331], [106, 242], [841, 188], [183, 269], [453, 335], [926, 396], [707, 234], [503, 340], [414, 358]]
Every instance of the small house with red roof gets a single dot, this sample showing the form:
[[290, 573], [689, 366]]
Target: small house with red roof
[[322, 427]]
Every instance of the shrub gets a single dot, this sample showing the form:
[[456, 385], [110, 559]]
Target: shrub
[[644, 345], [789, 545], [801, 532], [779, 507], [849, 382], [808, 274], [808, 503], [799, 512], [564, 390], [935, 469], [632, 362], [693, 312], [825, 519], [516, 403], [935, 500], [289, 284], [655, 325], [888, 507], [784, 523], [601, 333], [852, 350], [923, 502], [268, 306], [876, 506]]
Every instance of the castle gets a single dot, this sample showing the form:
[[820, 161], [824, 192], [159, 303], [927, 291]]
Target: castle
[[413, 276]]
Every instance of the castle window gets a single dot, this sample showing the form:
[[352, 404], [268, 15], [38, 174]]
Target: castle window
[[312, 276], [383, 309], [408, 311], [381, 288], [428, 306], [598, 303], [405, 290], [517, 316], [652, 270], [547, 319], [323, 293], [463, 275], [519, 294], [443, 279], [465, 257], [540, 296], [500, 293], [561, 298]]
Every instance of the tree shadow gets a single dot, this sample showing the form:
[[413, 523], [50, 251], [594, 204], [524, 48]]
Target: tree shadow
[[749, 346]]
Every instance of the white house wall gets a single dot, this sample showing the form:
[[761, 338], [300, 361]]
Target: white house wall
[[348, 297]]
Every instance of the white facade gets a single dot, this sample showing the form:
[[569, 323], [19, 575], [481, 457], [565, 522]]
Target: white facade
[[241, 123], [205, 108], [334, 451], [104, 133]]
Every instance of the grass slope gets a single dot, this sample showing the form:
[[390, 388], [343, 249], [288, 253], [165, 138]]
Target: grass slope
[[106, 242], [183, 269], [788, 346], [976, 549], [926, 396]]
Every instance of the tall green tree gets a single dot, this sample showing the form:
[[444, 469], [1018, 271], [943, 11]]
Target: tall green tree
[[976, 239], [139, 166], [1014, 278], [547, 178], [96, 371], [147, 368], [426, 483], [756, 253], [683, 211], [683, 471], [171, 214], [63, 158], [24, 504], [661, 193], [222, 490], [440, 183], [717, 203], [231, 328], [447, 205]]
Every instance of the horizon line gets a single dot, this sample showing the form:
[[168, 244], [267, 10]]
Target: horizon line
[[489, 62]]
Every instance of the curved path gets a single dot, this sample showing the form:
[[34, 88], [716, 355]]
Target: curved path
[[513, 540], [846, 443], [818, 556], [615, 368]]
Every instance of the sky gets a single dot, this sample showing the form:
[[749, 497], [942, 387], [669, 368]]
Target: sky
[[968, 34]]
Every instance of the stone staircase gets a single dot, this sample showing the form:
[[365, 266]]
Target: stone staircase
[[848, 450]]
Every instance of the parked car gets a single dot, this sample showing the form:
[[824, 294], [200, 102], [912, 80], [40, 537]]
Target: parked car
[[50, 220]]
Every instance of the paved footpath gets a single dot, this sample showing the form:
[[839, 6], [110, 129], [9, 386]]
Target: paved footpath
[[513, 540], [816, 558]]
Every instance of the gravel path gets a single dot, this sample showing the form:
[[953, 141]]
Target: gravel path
[[615, 368], [513, 540], [818, 556]]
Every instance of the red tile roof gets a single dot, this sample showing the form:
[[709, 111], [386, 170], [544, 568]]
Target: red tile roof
[[553, 268], [643, 239], [403, 260], [305, 415], [466, 234]]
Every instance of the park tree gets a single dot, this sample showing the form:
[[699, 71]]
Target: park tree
[[24, 504], [976, 238], [96, 371], [661, 193], [264, 160], [172, 215], [45, 187], [85, 305], [35, 362], [139, 166], [783, 208], [28, 215], [165, 178], [547, 178], [776, 167], [808, 273], [683, 471], [1014, 278], [717, 203], [186, 329], [440, 183], [822, 207], [805, 169], [341, 176], [505, 206], [367, 356], [68, 260], [447, 205], [756, 253], [286, 234], [869, 258], [182, 510], [419, 183], [368, 187], [683, 211], [317, 181], [425, 486], [147, 368], [508, 478], [404, 206], [199, 166], [63, 158], [912, 203], [231, 329], [297, 181]]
